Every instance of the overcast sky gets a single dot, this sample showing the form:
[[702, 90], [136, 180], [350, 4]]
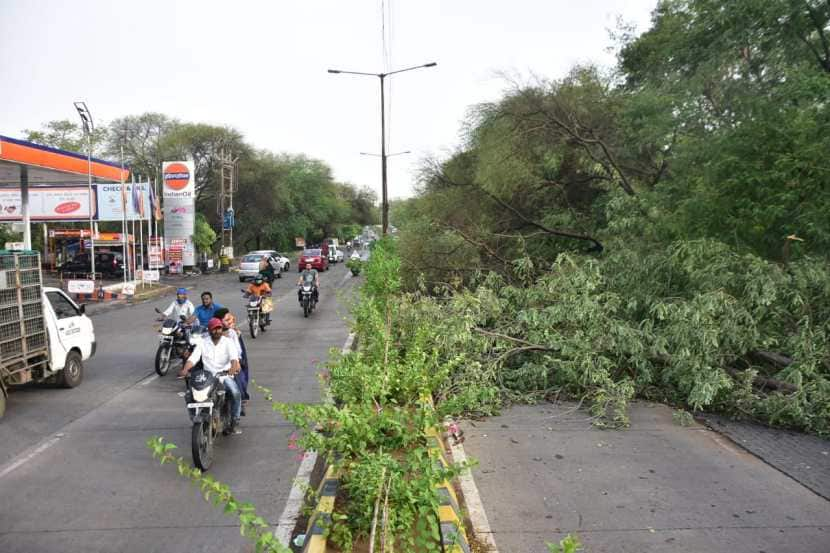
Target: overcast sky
[[260, 67]]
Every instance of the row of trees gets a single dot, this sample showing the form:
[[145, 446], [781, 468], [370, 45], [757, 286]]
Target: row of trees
[[280, 197], [688, 188]]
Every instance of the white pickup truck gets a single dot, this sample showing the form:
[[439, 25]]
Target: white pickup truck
[[44, 334]]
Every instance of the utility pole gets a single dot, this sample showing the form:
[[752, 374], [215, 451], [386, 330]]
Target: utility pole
[[228, 184], [89, 126], [383, 156]]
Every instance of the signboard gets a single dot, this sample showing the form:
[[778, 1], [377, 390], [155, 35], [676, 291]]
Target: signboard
[[110, 206], [80, 286], [175, 256], [149, 275], [299, 242], [155, 253], [128, 289], [15, 246], [47, 203], [178, 192]]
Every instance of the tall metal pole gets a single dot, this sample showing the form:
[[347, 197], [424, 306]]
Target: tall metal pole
[[125, 255], [89, 192], [384, 202]]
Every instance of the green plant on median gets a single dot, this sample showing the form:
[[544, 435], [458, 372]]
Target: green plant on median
[[252, 526], [568, 544], [355, 265]]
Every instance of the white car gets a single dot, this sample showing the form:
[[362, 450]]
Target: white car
[[335, 254], [284, 263], [249, 265]]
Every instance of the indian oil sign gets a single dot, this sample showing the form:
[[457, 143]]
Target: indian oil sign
[[178, 194]]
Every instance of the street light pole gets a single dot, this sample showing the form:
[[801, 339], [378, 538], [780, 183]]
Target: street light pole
[[89, 126], [383, 156]]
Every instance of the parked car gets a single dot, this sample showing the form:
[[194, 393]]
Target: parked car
[[316, 257], [249, 265], [335, 254], [110, 264]]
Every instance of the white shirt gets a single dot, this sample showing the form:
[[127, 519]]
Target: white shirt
[[233, 336], [215, 357], [176, 310]]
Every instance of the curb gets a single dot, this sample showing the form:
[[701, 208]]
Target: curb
[[315, 541]]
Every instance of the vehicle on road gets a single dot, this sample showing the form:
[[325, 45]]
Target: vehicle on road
[[110, 264], [307, 299], [210, 412], [285, 263], [251, 264], [256, 318], [174, 340], [335, 254], [44, 335], [316, 257]]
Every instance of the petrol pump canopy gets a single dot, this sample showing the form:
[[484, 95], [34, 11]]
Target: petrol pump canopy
[[47, 165]]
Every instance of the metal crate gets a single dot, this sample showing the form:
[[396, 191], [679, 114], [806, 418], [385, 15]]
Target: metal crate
[[32, 295], [7, 261], [33, 310], [9, 314], [9, 331], [10, 350], [33, 326], [8, 297], [28, 261], [36, 341], [29, 277]]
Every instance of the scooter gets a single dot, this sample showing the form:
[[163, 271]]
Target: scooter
[[173, 342], [210, 412]]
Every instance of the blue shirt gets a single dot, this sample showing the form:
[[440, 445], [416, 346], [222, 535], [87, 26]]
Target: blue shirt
[[205, 314]]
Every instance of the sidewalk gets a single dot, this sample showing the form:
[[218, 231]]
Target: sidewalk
[[544, 471]]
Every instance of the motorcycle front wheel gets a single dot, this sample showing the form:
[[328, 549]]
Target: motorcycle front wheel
[[202, 445], [254, 326], [306, 308], [163, 359]]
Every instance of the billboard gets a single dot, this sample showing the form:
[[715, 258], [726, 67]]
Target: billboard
[[110, 202], [179, 194], [47, 203]]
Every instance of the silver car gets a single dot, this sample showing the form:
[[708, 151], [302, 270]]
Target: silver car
[[249, 265]]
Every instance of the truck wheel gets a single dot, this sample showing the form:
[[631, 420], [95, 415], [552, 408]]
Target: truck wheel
[[73, 370]]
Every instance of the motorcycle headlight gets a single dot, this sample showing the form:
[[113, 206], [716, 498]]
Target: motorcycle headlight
[[200, 396], [166, 330]]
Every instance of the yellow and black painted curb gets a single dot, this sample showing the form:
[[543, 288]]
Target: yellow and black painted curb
[[315, 540], [453, 535]]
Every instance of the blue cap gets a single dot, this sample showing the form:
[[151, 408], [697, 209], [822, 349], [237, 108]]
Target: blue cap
[[182, 291]]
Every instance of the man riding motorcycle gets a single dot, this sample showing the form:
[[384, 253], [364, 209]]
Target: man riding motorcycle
[[261, 288], [205, 311], [308, 276], [219, 353], [181, 306]]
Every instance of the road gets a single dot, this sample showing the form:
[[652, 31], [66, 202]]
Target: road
[[76, 475]]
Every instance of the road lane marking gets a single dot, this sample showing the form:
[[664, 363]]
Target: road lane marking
[[26, 457], [149, 380], [296, 498]]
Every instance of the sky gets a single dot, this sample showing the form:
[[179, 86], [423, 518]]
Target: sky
[[261, 67]]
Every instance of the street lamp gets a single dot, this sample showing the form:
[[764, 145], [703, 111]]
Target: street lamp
[[89, 126], [383, 156]]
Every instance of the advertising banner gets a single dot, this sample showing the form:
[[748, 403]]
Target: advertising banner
[[110, 206], [80, 286], [155, 253], [47, 203], [178, 193]]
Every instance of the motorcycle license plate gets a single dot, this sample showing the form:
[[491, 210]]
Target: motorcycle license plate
[[203, 404]]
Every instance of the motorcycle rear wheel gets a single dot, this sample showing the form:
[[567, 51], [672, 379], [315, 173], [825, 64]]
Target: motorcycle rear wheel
[[202, 445], [163, 359]]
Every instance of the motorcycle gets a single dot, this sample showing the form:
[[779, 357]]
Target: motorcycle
[[173, 343], [307, 299], [256, 318], [210, 413]]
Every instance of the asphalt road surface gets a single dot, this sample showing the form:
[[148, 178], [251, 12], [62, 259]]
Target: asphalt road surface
[[76, 475]]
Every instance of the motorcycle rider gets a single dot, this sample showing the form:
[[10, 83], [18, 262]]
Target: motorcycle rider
[[232, 332], [260, 288], [309, 276], [181, 306], [205, 311], [219, 353], [269, 268]]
